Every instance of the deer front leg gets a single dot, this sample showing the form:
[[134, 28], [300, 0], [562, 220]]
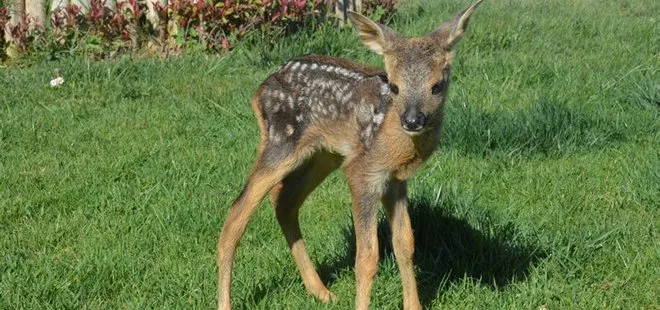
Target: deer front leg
[[366, 192], [365, 221], [395, 202]]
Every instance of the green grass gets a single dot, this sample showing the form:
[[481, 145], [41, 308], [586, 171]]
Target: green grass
[[545, 190]]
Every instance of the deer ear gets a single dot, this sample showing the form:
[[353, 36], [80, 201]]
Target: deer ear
[[451, 33], [376, 37]]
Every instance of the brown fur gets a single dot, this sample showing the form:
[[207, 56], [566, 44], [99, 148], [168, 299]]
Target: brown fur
[[318, 114]]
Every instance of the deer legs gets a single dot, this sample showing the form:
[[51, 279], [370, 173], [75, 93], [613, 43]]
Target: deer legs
[[395, 202], [287, 198], [366, 190], [289, 186], [366, 259], [262, 179]]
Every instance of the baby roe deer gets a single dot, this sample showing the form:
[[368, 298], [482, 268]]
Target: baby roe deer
[[317, 114]]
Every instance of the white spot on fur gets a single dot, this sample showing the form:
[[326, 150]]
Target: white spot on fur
[[295, 66], [367, 132], [289, 130], [378, 118], [363, 113], [384, 89], [347, 97], [272, 135], [345, 73], [314, 66], [333, 110]]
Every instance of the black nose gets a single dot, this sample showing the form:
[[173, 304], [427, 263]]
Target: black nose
[[413, 119]]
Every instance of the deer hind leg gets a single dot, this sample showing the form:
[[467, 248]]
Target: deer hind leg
[[287, 198], [395, 202], [264, 176]]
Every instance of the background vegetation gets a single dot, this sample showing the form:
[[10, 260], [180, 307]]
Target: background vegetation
[[545, 191], [107, 28]]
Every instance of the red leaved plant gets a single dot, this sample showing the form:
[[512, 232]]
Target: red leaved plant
[[3, 21], [211, 24], [20, 33]]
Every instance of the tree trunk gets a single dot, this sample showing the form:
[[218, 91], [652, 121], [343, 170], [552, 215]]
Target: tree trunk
[[83, 4], [36, 14], [202, 27], [343, 6], [16, 12], [57, 4], [152, 15]]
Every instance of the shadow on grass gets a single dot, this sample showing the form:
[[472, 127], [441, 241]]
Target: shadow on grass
[[451, 246]]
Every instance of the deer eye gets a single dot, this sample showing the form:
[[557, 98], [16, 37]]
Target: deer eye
[[438, 87], [394, 89]]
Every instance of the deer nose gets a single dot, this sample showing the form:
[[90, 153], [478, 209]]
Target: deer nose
[[413, 119]]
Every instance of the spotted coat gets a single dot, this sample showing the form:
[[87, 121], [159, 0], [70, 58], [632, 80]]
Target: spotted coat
[[316, 92]]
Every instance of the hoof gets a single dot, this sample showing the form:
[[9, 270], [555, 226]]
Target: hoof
[[326, 296]]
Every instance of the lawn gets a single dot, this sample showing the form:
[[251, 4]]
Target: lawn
[[545, 191]]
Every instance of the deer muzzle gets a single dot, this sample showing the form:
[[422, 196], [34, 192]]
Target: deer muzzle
[[412, 119]]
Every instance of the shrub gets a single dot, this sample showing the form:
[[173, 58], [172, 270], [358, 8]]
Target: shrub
[[217, 25], [201, 24], [3, 21], [100, 32], [21, 33], [379, 10]]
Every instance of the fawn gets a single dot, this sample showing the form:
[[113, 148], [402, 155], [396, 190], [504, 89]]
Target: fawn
[[317, 114]]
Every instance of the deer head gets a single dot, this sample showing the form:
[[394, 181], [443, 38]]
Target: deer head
[[417, 69]]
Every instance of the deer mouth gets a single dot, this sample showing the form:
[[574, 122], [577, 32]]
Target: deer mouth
[[414, 131], [413, 128]]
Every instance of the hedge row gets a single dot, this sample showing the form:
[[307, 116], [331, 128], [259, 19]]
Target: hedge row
[[178, 25]]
